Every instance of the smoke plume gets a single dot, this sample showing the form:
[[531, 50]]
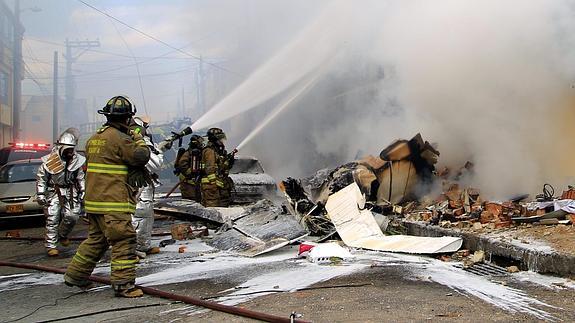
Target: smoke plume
[[488, 81]]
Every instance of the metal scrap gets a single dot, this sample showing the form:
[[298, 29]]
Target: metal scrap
[[263, 227]]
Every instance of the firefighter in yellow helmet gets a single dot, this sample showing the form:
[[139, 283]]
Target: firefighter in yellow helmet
[[188, 167], [216, 183], [113, 153]]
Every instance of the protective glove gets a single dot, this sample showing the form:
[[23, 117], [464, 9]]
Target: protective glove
[[136, 135], [41, 200], [139, 177], [165, 145]]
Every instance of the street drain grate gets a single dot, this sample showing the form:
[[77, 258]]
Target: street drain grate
[[485, 269]]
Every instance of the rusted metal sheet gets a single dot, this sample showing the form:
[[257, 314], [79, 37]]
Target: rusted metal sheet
[[263, 228], [190, 210]]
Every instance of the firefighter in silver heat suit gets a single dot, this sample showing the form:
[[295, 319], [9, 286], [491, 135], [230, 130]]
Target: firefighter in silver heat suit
[[143, 218], [60, 188]]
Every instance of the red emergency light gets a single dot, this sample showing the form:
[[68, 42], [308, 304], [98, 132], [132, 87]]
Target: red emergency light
[[22, 145]]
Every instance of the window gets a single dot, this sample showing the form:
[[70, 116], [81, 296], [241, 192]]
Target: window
[[19, 173], [3, 87]]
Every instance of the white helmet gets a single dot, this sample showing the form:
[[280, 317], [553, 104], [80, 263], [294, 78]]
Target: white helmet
[[68, 139]]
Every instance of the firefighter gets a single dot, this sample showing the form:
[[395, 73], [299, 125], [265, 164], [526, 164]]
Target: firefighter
[[143, 218], [216, 185], [116, 159], [60, 189], [189, 170]]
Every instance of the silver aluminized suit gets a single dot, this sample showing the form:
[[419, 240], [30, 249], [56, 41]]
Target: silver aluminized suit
[[62, 210], [143, 218]]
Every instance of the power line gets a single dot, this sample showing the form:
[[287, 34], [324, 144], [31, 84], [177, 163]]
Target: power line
[[137, 67], [127, 57], [35, 80], [33, 56], [187, 69], [90, 50], [122, 77], [124, 66], [154, 38]]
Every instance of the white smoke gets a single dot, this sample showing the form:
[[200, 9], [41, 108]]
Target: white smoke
[[489, 81]]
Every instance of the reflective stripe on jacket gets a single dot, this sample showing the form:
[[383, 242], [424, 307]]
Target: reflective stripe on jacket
[[110, 152]]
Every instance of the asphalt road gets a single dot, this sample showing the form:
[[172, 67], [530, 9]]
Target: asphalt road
[[374, 287]]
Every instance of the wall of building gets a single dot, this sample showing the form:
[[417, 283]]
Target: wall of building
[[6, 73], [36, 118]]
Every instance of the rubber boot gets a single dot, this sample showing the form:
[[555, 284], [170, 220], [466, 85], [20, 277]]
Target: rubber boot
[[64, 242], [129, 293], [53, 252], [88, 285]]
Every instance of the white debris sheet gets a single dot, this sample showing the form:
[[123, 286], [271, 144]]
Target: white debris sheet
[[325, 252], [358, 228], [566, 205]]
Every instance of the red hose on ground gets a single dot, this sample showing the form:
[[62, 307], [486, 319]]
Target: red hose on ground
[[156, 292], [154, 234]]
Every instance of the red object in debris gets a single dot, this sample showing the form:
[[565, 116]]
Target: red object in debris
[[494, 208], [182, 249], [304, 248], [568, 195], [486, 217]]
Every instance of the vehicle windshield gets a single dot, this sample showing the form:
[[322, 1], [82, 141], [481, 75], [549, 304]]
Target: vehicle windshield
[[8, 155], [247, 165], [19, 173]]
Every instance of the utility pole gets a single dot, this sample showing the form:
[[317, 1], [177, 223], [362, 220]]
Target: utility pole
[[70, 59], [17, 75], [55, 130]]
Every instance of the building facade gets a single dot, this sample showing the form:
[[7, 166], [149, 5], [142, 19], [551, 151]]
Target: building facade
[[7, 36]]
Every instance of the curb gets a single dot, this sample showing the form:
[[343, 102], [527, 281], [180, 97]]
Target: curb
[[541, 261]]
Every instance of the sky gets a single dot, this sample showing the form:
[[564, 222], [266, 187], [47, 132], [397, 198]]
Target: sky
[[217, 31]]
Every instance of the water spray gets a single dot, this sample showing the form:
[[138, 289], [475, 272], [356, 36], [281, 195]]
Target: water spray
[[295, 94], [311, 48]]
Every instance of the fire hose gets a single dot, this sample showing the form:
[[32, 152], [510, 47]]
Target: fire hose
[[159, 293], [16, 238]]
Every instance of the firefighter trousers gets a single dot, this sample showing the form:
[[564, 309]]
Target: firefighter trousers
[[60, 219], [105, 230], [217, 195], [191, 191], [143, 219]]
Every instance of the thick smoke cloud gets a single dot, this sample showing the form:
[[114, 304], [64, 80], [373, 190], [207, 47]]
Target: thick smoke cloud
[[489, 81]]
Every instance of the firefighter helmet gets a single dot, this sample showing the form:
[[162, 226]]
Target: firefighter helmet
[[196, 141], [68, 139], [215, 134], [119, 106]]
